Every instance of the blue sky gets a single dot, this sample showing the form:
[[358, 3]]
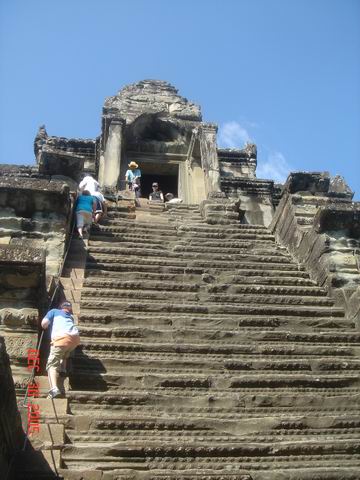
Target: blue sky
[[282, 73]]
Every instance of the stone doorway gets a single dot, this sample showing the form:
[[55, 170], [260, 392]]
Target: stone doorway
[[165, 174]]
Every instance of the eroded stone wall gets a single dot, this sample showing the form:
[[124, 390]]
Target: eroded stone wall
[[36, 213], [319, 224]]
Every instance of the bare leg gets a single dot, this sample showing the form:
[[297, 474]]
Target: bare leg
[[52, 374], [98, 217], [80, 232]]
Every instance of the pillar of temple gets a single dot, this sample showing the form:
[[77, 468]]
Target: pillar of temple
[[109, 165], [209, 157]]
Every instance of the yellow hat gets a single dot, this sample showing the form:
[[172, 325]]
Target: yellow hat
[[133, 165]]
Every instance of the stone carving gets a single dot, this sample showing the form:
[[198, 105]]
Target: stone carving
[[150, 96], [40, 140]]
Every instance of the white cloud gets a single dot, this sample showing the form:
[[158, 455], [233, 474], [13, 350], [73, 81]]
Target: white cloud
[[232, 135], [275, 168]]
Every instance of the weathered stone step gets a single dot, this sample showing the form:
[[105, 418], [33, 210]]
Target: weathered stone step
[[200, 322], [203, 437], [196, 364], [146, 284], [272, 344], [128, 207], [118, 251], [226, 243], [227, 249], [128, 324], [163, 296], [233, 456], [118, 215], [99, 239], [89, 378], [261, 277], [161, 234], [268, 289], [245, 276], [211, 308], [111, 415], [182, 246], [275, 298], [138, 268], [198, 229], [152, 224], [301, 473], [311, 353], [164, 259], [118, 283]]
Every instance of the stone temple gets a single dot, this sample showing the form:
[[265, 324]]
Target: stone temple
[[219, 337]]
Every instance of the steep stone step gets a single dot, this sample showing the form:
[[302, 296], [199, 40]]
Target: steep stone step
[[212, 307], [275, 298], [245, 276], [176, 295], [234, 455], [241, 341], [208, 353], [158, 362], [96, 283], [148, 284], [99, 379], [203, 298], [196, 228], [268, 289], [164, 258], [227, 248], [198, 322], [119, 241]]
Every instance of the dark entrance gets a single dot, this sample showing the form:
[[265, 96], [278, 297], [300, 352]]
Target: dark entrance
[[165, 174]]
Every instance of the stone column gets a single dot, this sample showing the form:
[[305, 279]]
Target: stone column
[[109, 168], [209, 157]]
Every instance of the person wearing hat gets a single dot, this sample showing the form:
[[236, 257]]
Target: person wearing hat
[[132, 177], [64, 339], [156, 195]]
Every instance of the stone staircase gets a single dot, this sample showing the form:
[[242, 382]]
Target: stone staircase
[[207, 353]]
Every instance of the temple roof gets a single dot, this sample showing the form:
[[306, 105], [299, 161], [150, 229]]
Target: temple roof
[[151, 96]]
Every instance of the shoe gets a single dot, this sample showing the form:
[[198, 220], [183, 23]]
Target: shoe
[[54, 393]]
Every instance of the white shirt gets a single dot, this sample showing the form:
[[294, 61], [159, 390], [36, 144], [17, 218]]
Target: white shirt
[[99, 196], [89, 183]]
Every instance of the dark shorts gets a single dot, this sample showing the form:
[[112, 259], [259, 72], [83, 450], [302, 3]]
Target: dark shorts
[[99, 207]]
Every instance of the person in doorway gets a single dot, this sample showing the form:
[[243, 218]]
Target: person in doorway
[[90, 184], [169, 197], [156, 195], [64, 339], [132, 177], [85, 208]]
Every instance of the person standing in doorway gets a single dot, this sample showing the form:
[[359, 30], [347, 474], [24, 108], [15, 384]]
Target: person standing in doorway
[[132, 177], [156, 195]]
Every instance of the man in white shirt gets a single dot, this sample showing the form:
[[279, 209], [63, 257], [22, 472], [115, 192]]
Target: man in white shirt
[[89, 183]]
